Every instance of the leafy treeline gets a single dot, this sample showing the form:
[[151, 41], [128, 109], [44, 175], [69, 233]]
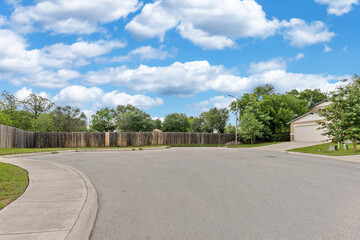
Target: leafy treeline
[[264, 114], [343, 115], [131, 119], [36, 113]]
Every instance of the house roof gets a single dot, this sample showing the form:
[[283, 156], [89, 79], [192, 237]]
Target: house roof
[[316, 104], [311, 112]]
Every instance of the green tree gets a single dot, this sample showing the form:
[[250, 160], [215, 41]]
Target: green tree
[[44, 123], [158, 124], [9, 104], [197, 124], [68, 119], [281, 109], [230, 129], [176, 122], [342, 117], [5, 119], [104, 120], [215, 120], [37, 104], [254, 123], [261, 91], [132, 119], [312, 96]]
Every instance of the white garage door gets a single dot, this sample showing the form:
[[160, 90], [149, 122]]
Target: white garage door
[[308, 133]]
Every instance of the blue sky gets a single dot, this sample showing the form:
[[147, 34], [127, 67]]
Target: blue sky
[[173, 56]]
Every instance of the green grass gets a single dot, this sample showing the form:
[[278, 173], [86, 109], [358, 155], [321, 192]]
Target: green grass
[[252, 145], [324, 150], [11, 151], [196, 145], [13, 182]]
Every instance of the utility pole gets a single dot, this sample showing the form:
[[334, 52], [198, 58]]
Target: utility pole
[[236, 114]]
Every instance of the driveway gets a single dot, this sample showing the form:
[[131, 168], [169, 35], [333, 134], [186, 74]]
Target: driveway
[[282, 147], [220, 193]]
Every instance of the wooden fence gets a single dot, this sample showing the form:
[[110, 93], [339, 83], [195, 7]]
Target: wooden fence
[[15, 138]]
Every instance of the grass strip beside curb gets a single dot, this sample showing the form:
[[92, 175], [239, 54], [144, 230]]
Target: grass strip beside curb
[[13, 183]]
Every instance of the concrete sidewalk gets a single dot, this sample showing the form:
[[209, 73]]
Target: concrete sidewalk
[[283, 147], [59, 203]]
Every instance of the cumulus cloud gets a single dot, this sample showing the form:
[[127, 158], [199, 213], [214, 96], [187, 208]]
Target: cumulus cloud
[[78, 95], [114, 98], [81, 96], [217, 101], [146, 53], [217, 25], [71, 16], [49, 66], [338, 7], [13, 54], [274, 64], [189, 78], [24, 92], [65, 55], [202, 22], [204, 39], [302, 34]]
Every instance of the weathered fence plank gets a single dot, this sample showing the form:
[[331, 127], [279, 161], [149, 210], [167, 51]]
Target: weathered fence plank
[[11, 137]]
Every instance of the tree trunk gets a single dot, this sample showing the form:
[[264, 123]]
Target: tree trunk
[[354, 143]]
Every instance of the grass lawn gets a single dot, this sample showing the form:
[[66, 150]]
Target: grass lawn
[[324, 150], [10, 151], [252, 145], [196, 145], [13, 182]]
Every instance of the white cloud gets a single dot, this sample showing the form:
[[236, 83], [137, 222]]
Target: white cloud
[[274, 64], [187, 79], [71, 16], [301, 34], [299, 56], [13, 54], [204, 21], [3, 20], [78, 95], [327, 48], [146, 53], [49, 66], [338, 7], [160, 118], [81, 96], [65, 55], [24, 92], [114, 98], [217, 101], [153, 21], [204, 39]]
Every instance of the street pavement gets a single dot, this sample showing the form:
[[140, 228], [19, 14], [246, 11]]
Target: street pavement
[[220, 193]]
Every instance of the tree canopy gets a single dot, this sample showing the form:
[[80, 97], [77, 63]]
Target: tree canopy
[[176, 122], [343, 115]]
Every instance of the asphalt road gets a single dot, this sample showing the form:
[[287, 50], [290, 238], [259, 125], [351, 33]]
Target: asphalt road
[[220, 194]]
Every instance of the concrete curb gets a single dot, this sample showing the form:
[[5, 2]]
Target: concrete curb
[[86, 220], [349, 158], [26, 225], [82, 150]]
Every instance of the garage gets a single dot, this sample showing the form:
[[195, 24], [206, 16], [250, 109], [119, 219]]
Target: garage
[[308, 133], [305, 127]]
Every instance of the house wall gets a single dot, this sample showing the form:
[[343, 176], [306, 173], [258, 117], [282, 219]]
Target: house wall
[[310, 119]]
